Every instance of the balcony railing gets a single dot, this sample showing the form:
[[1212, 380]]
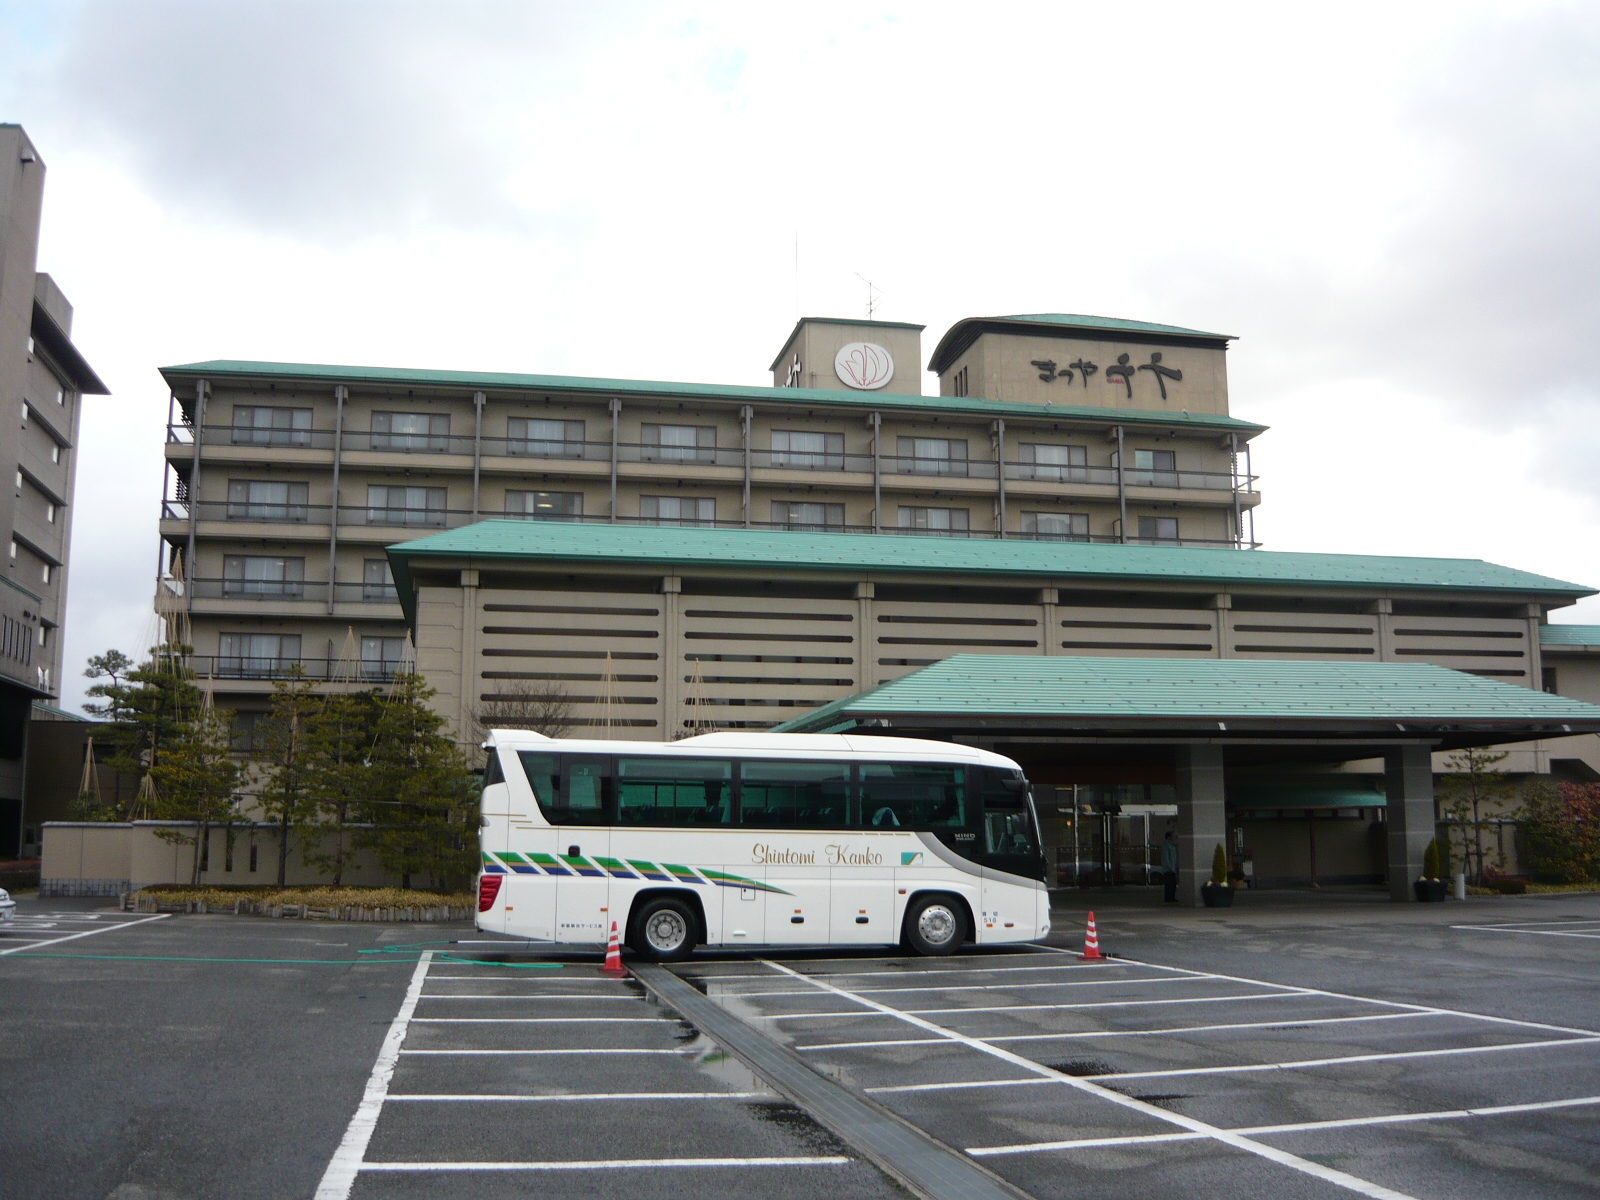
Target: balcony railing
[[292, 590], [175, 510], [229, 666], [719, 456]]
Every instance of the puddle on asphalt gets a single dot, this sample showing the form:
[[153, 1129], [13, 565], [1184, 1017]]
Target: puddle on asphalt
[[717, 1063], [795, 1121], [1162, 1100], [1083, 1066]]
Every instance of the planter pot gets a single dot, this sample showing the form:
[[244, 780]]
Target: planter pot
[[1216, 896], [1430, 891]]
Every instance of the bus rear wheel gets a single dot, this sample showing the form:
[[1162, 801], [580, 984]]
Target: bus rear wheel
[[663, 930], [935, 925]]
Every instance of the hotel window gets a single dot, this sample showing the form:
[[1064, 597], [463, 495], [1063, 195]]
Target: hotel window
[[1056, 527], [677, 510], [939, 522], [405, 506], [538, 505], [678, 443], [1055, 464], [544, 439], [801, 514], [933, 456], [257, 655], [429, 432], [257, 426], [249, 732], [50, 513], [263, 577], [1154, 468], [44, 572], [55, 452], [958, 383], [267, 500], [807, 451], [382, 657], [1158, 529], [377, 580]]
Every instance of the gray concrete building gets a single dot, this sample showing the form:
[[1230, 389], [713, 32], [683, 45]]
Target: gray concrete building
[[43, 378]]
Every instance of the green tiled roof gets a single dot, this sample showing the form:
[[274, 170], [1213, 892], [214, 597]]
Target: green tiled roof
[[672, 548], [980, 685], [964, 332], [1111, 324], [1569, 635], [808, 397]]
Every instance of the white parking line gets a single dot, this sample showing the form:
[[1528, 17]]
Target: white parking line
[[340, 1176], [1105, 1033], [918, 973], [886, 1010], [480, 996], [591, 1050], [999, 987], [615, 1164], [1428, 1008], [1271, 1153], [1352, 1058], [1455, 1114], [522, 976], [545, 1021], [1535, 932], [85, 933], [500, 1096]]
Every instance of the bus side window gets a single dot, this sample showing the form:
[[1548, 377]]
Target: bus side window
[[1007, 824], [492, 774], [583, 798], [674, 792], [541, 772], [913, 796], [802, 794]]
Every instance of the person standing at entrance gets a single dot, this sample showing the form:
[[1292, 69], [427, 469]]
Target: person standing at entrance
[[1169, 868]]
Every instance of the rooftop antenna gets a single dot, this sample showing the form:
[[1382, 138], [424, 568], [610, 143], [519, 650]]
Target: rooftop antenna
[[873, 294]]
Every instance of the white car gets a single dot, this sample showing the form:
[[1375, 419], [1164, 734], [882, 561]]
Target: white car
[[8, 906]]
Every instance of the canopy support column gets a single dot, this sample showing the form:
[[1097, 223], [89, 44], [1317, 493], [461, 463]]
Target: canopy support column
[[1408, 780], [1202, 822]]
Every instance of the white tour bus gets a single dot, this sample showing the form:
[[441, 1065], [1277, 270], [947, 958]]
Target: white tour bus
[[743, 839]]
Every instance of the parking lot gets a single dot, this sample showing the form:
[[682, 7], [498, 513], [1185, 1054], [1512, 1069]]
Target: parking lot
[[1335, 1048]]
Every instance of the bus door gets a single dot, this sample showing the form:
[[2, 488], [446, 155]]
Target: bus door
[[1010, 849], [798, 816], [494, 835], [582, 839]]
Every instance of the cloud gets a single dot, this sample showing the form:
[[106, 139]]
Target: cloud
[[334, 122]]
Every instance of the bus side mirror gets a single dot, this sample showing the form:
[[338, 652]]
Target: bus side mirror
[[1012, 784]]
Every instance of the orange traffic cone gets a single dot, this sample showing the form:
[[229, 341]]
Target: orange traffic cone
[[1091, 943], [613, 955]]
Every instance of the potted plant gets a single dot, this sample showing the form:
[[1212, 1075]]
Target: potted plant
[[1215, 892], [1430, 888]]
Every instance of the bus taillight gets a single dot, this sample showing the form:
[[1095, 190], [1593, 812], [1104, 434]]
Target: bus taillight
[[488, 889]]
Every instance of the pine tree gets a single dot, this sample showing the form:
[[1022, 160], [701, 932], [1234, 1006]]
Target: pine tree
[[1219, 866], [286, 762], [1476, 783], [420, 791], [150, 708], [195, 777], [340, 734]]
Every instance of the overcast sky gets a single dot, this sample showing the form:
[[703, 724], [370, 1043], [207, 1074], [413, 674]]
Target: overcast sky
[[1392, 205]]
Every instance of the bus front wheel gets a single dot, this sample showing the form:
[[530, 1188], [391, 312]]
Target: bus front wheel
[[935, 925], [663, 930]]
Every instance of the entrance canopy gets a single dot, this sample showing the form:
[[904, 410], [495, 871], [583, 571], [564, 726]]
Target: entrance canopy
[[1217, 700]]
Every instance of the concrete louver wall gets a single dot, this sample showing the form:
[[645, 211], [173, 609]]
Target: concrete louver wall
[[765, 658], [103, 858]]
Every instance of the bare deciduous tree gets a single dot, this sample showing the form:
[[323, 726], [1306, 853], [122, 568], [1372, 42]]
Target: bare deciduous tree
[[542, 706]]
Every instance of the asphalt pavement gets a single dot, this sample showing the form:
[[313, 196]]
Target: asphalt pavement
[[1293, 1045]]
